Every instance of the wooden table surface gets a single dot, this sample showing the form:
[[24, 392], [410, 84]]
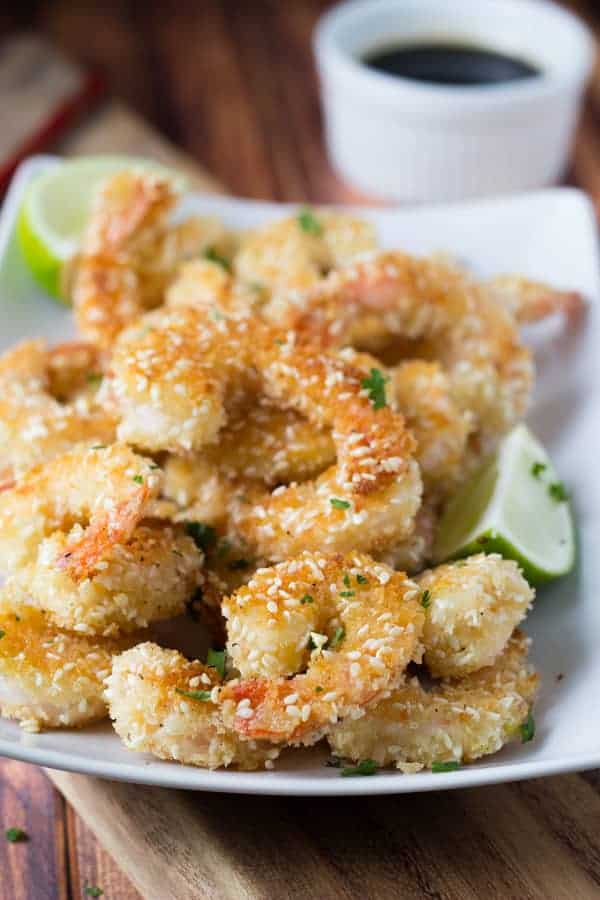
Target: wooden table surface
[[233, 84]]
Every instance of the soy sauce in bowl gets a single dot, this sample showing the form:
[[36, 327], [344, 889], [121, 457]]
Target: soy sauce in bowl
[[449, 64]]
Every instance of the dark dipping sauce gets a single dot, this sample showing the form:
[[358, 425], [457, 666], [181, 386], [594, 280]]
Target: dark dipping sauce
[[449, 64]]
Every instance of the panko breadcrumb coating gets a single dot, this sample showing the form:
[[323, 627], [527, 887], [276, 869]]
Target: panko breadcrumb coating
[[453, 721], [130, 253], [472, 608], [105, 490], [163, 704], [50, 678], [317, 638], [48, 403], [147, 578]]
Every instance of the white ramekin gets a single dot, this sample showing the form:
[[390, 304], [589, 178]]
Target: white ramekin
[[409, 141]]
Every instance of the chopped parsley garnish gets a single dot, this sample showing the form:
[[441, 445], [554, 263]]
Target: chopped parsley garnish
[[360, 579], [365, 767], [347, 593], [346, 580], [94, 377], [308, 222], [537, 468], [338, 637], [213, 255], [558, 491], [91, 890], [204, 536], [99, 447], [339, 504], [425, 599], [308, 598], [527, 729], [318, 689], [280, 342], [138, 479], [154, 467], [2, 633], [194, 695], [15, 835], [438, 767], [375, 386], [216, 659], [237, 564]]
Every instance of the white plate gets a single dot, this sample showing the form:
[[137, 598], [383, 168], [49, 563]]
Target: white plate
[[548, 235]]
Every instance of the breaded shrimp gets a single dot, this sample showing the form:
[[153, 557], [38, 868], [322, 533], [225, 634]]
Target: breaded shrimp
[[457, 320], [172, 373], [48, 403], [208, 285], [294, 253], [50, 678], [423, 393], [472, 608], [369, 498], [130, 253], [163, 704], [453, 721], [106, 491], [317, 638], [530, 301], [149, 577]]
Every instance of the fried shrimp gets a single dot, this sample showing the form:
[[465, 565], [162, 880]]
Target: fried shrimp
[[149, 577], [172, 373], [204, 284], [368, 499], [454, 721], [50, 678], [163, 704], [317, 638], [130, 253], [472, 608], [530, 301], [294, 253], [393, 296], [48, 403], [95, 496]]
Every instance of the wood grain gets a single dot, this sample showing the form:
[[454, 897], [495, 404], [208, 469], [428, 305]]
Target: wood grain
[[232, 83]]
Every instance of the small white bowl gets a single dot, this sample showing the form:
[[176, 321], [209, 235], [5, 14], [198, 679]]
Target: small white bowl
[[410, 141]]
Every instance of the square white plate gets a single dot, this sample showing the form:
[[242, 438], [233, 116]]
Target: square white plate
[[550, 235]]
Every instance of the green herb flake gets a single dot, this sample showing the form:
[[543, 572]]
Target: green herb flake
[[15, 835], [213, 255], [94, 377], [425, 599], [138, 479], [527, 729], [339, 504], [439, 767], [365, 767], [360, 579], [216, 659], [537, 468], [204, 536], [558, 492], [347, 593], [2, 633], [318, 689], [346, 580], [338, 637], [375, 386], [308, 598], [308, 222], [99, 447], [194, 695], [91, 890]]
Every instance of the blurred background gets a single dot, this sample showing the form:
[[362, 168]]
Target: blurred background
[[232, 82]]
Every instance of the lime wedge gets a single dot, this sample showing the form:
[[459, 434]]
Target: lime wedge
[[516, 506], [56, 207]]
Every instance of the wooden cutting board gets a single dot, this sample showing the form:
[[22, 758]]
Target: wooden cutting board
[[538, 839]]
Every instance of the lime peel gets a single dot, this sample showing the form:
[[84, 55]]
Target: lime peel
[[509, 507]]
